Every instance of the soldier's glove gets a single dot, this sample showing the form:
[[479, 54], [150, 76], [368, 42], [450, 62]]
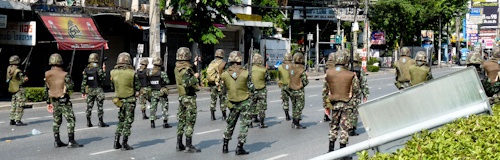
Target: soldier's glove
[[117, 102], [280, 84]]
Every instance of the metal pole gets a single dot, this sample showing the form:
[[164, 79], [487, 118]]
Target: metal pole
[[439, 45], [308, 57], [355, 37], [317, 46], [457, 43], [367, 24]]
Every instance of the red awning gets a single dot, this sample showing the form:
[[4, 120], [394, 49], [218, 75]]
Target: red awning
[[74, 31]]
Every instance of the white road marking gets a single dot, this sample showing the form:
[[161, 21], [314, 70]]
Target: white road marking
[[2, 122], [81, 129], [34, 118], [313, 95], [48, 116], [96, 153], [215, 130], [202, 99], [172, 116], [275, 101], [79, 112], [379, 88], [109, 109], [280, 118], [389, 84], [274, 91], [320, 110], [277, 157]]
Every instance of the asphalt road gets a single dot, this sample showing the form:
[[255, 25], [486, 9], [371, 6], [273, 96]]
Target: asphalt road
[[279, 141]]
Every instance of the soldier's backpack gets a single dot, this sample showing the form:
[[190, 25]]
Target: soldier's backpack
[[212, 70]]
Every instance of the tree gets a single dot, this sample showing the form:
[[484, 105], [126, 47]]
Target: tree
[[268, 14]]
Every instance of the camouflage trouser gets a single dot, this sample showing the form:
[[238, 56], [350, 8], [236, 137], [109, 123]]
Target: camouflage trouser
[[243, 109], [144, 96], [186, 115], [158, 101], [66, 110], [340, 120], [298, 100], [16, 109], [353, 117], [494, 99], [222, 98], [259, 104], [95, 94], [402, 85], [285, 97], [125, 116]]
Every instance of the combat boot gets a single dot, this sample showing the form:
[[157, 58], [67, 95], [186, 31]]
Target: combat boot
[[12, 122], [255, 119], [287, 115], [250, 125], [262, 125], [72, 143], [296, 124], [213, 115], [153, 124], [125, 145], [331, 146], [189, 146], [224, 116], [240, 150], [19, 123], [224, 146], [144, 115], [117, 142], [89, 122], [58, 142], [180, 146], [166, 125], [102, 124], [352, 132], [326, 118]]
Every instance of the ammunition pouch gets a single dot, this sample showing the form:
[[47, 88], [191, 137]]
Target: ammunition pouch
[[64, 99], [117, 102], [164, 92]]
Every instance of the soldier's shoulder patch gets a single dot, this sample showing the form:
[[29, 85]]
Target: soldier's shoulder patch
[[404, 60]]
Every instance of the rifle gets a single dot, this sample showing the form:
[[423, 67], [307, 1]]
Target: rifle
[[26, 61], [198, 63], [250, 60], [72, 60]]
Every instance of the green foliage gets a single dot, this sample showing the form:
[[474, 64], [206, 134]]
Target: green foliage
[[371, 68], [35, 94], [273, 74], [203, 77], [162, 4], [372, 61], [269, 15]]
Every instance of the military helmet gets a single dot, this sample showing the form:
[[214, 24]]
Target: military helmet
[[93, 58], [421, 56], [183, 54], [341, 58], [496, 52], [219, 53], [144, 61], [157, 61], [331, 57], [123, 58], [234, 56], [55, 59], [405, 51], [14, 59], [298, 58], [474, 58], [288, 57], [257, 59]]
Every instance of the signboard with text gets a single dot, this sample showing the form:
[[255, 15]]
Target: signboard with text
[[19, 33]]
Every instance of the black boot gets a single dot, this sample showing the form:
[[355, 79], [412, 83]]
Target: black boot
[[72, 143], [240, 150], [166, 125], [89, 122], [352, 132], [57, 142], [189, 146], [12, 122], [250, 125], [224, 116], [255, 119], [117, 142], [213, 115], [296, 124], [153, 124], [125, 145], [224, 146], [19, 123], [326, 118], [144, 115], [102, 124], [262, 125], [287, 115], [331, 146], [180, 146]]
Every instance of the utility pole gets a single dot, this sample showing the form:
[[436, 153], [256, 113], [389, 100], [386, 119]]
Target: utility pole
[[439, 45], [457, 30], [367, 31], [154, 30], [354, 35]]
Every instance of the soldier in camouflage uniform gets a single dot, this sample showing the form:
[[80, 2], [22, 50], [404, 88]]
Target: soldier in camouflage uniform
[[239, 87], [58, 85], [16, 79], [475, 59], [218, 65], [284, 80], [126, 85], [360, 73], [145, 92], [259, 78], [402, 69], [159, 92], [492, 67], [91, 89], [298, 80], [421, 72], [330, 63], [186, 80], [341, 86]]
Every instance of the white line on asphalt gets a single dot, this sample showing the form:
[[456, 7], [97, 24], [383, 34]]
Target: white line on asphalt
[[109, 109], [280, 118], [320, 110], [273, 91], [2, 122], [81, 129], [34, 118], [389, 84], [379, 88], [172, 116], [202, 99], [48, 116], [313, 95], [96, 153], [275, 101], [215, 130], [79, 112], [277, 157]]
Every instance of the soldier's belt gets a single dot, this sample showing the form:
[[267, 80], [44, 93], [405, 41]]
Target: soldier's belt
[[63, 99]]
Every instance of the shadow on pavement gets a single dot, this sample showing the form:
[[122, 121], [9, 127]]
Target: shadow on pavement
[[115, 123], [15, 137], [42, 121], [209, 143], [272, 123], [309, 124], [90, 140], [255, 147], [150, 143]]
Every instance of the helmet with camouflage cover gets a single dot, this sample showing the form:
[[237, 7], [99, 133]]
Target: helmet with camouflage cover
[[405, 51], [219, 53], [144, 61], [421, 56], [288, 57], [331, 57], [55, 59], [257, 59], [234, 56], [474, 58], [341, 58], [14, 59], [298, 58], [123, 58], [93, 58], [496, 52], [183, 54], [157, 61]]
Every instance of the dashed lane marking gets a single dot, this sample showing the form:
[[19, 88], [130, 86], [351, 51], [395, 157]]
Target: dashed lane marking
[[2, 122], [81, 129], [109, 109], [280, 118], [313, 95], [48, 116], [275, 101], [215, 130], [320, 110], [96, 153], [277, 157]]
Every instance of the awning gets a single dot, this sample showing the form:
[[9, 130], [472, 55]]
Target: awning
[[183, 25], [252, 23], [74, 31]]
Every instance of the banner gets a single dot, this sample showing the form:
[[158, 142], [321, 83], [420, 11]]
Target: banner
[[427, 37], [19, 33], [378, 38]]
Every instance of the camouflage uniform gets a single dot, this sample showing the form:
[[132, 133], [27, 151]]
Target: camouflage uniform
[[421, 72], [259, 99], [284, 80], [402, 69], [16, 79], [215, 86], [329, 64], [91, 85], [492, 68], [145, 92], [365, 92], [298, 81], [159, 92]]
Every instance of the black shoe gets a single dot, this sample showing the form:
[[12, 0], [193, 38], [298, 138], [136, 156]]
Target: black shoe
[[117, 144], [240, 150], [72, 143], [12, 122], [19, 123], [57, 142], [125, 146], [250, 125], [262, 125], [224, 116], [102, 124], [144, 115], [352, 132], [224, 146], [153, 124], [180, 146], [331, 146], [326, 118], [296, 124], [213, 115], [287, 115], [189, 146], [255, 119], [89, 122], [166, 125]]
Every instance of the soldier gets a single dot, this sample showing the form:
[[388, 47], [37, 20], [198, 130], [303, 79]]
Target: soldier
[[125, 83], [492, 67], [421, 72], [239, 87], [341, 86], [186, 80], [259, 78], [475, 59], [363, 85], [159, 92], [215, 69], [284, 80], [145, 92], [298, 80], [58, 84], [330, 63], [93, 77], [16, 79], [402, 69]]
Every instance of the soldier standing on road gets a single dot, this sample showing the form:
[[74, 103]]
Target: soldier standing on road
[[330, 63], [284, 80], [475, 59], [145, 93], [341, 86], [215, 69], [159, 92], [298, 80], [403, 69], [93, 76], [16, 79], [421, 72], [239, 87], [58, 85], [492, 67], [365, 92], [259, 78], [126, 85], [186, 80]]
